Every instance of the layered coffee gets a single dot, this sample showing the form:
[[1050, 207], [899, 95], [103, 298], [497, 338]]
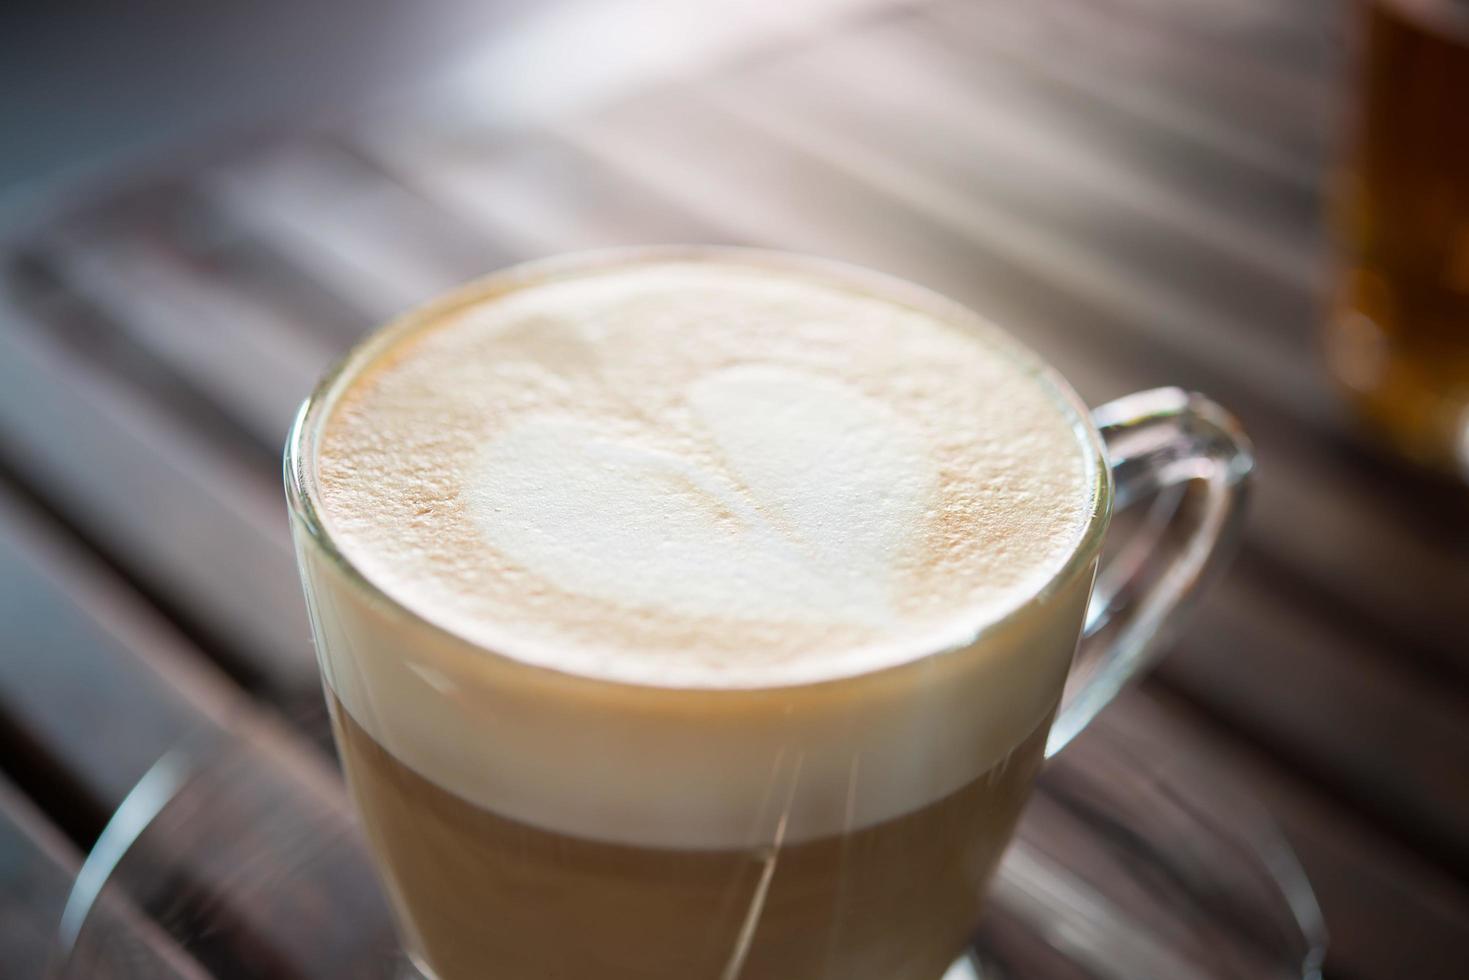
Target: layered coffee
[[694, 615]]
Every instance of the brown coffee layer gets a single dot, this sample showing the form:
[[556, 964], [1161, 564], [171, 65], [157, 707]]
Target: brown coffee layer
[[485, 896]]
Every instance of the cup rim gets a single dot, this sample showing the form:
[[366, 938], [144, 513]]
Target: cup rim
[[299, 457]]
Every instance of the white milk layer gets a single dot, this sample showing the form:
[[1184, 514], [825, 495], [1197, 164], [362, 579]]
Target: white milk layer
[[682, 534]]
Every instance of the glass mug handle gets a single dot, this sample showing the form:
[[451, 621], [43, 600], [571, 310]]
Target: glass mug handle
[[1190, 458]]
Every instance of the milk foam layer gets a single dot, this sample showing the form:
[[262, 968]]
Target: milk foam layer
[[685, 530]]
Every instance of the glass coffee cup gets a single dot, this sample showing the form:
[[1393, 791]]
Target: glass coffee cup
[[536, 809]]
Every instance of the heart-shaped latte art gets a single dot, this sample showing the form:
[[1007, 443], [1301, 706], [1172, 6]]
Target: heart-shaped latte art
[[816, 492]]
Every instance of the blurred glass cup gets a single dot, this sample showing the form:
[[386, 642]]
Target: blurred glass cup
[[1398, 336]]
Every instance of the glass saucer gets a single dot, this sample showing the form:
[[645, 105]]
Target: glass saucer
[[1128, 864]]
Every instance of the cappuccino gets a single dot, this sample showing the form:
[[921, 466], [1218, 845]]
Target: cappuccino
[[694, 614]]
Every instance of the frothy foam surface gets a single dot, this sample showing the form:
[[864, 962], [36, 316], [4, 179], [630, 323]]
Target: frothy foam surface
[[701, 474], [731, 502]]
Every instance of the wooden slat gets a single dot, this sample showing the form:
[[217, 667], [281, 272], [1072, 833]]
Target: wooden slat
[[256, 361], [537, 195], [38, 868], [378, 246], [1390, 913], [1013, 949], [891, 87], [1387, 740], [134, 713], [91, 649], [1088, 54], [201, 527], [1259, 33], [1377, 545], [86, 646], [1223, 68], [182, 217], [1117, 867]]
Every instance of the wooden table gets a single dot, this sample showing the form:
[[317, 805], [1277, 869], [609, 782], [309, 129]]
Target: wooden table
[[1133, 187]]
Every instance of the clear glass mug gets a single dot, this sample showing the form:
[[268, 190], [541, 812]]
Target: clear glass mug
[[781, 855]]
